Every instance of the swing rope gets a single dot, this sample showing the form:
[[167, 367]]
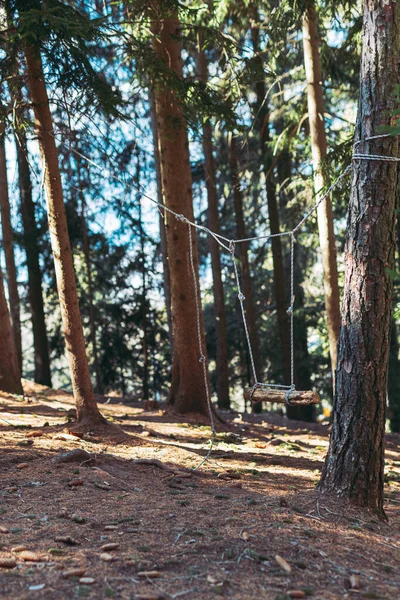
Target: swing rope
[[229, 245]]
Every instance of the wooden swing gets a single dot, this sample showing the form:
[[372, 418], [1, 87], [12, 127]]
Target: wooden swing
[[290, 397]]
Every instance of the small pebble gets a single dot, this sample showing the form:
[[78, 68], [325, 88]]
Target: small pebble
[[106, 557], [110, 527], [76, 455], [67, 539], [3, 529], [78, 518], [284, 565], [87, 580], [22, 465]]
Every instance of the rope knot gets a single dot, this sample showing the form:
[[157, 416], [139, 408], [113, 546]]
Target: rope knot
[[289, 310], [202, 358], [241, 297], [232, 247], [287, 395], [253, 389], [182, 218]]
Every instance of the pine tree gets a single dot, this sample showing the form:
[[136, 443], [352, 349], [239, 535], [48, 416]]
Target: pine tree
[[10, 377], [354, 466], [187, 393]]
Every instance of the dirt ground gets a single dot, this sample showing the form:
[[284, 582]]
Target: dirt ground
[[249, 524]]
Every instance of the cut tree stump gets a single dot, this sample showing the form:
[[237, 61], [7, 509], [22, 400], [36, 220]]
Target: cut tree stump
[[296, 398]]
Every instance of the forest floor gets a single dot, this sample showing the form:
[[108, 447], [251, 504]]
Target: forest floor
[[248, 525]]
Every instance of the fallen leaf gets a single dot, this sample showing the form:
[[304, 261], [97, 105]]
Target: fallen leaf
[[284, 565]]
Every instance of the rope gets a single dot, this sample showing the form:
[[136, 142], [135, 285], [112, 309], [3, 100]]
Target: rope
[[202, 358], [230, 245]]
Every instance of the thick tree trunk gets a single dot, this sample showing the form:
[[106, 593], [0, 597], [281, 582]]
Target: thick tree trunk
[[262, 125], [10, 378], [162, 222], [354, 466], [245, 267], [188, 393], [86, 406], [318, 146], [213, 224], [8, 247]]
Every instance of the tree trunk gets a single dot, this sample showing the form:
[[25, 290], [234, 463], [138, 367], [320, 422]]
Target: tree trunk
[[8, 247], [10, 378], [244, 263], [42, 373], [86, 407], [162, 223], [188, 393], [92, 319], [318, 145], [262, 125], [354, 466], [213, 224]]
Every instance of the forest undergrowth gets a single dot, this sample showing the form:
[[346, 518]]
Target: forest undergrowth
[[127, 517]]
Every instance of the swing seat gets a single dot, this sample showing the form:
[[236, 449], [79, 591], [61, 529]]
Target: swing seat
[[296, 398]]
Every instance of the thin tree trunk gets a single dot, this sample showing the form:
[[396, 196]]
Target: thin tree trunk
[[188, 393], [86, 407], [262, 125], [394, 380], [244, 263], [10, 378], [319, 145], [144, 303], [8, 247], [354, 466], [92, 319], [162, 222], [213, 224]]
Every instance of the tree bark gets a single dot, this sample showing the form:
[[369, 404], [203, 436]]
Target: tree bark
[[244, 263], [327, 244], [187, 393], [10, 377], [86, 407], [354, 466], [8, 247], [213, 224], [262, 125]]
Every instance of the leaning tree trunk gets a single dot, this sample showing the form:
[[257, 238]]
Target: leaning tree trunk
[[86, 407], [188, 392], [319, 146], [354, 466], [263, 128], [213, 224], [8, 247], [10, 377], [245, 267]]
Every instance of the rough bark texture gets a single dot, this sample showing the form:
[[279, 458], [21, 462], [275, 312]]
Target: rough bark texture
[[8, 247], [86, 406], [262, 125], [213, 224], [244, 263], [10, 378], [318, 146], [187, 393], [354, 466]]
